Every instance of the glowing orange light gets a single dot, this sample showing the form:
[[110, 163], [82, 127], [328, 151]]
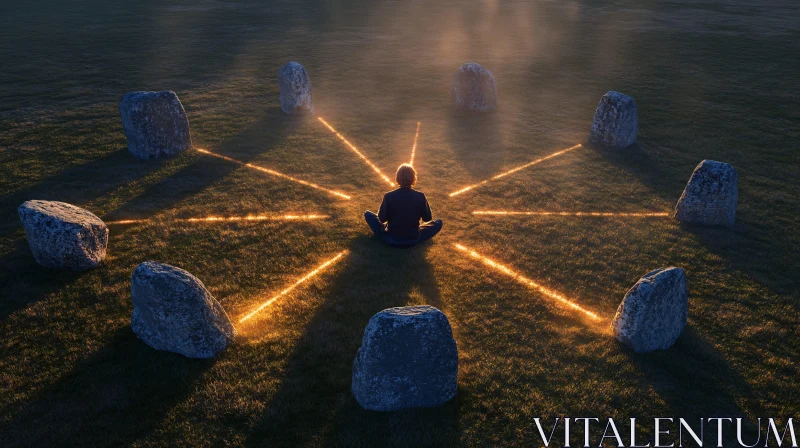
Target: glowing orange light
[[255, 218], [514, 170], [311, 274], [414, 146], [526, 281], [233, 219], [275, 173], [127, 221], [591, 214], [359, 153]]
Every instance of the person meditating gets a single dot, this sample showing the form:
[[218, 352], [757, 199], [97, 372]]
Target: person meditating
[[398, 220]]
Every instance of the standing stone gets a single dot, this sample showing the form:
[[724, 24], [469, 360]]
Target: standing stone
[[63, 236], [653, 313], [155, 124], [295, 89], [711, 195], [408, 359], [616, 121], [473, 89], [173, 311]]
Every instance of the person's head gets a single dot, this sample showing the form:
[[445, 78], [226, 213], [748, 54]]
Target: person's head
[[406, 176]]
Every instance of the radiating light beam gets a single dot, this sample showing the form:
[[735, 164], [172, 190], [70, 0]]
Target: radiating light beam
[[526, 281], [311, 274], [231, 219], [588, 214], [514, 170], [127, 221], [414, 146], [274, 173], [359, 153]]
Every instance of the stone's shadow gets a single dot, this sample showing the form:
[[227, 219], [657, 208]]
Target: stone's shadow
[[750, 246], [121, 392], [263, 135], [696, 381], [258, 138], [25, 282], [78, 185], [649, 170], [477, 141], [756, 250], [314, 402]]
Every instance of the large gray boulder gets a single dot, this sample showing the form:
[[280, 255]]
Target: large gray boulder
[[155, 124], [711, 195], [654, 311], [173, 311], [408, 359], [63, 236], [473, 89], [295, 88], [616, 121]]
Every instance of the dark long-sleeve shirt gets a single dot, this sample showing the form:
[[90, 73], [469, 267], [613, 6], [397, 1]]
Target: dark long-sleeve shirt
[[402, 210]]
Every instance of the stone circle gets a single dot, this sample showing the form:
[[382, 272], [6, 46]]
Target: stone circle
[[63, 236], [408, 359], [155, 124], [616, 121], [710, 196], [173, 311], [295, 89], [473, 89], [654, 311]]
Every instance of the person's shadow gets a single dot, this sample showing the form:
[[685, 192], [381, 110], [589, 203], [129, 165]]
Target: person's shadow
[[314, 401]]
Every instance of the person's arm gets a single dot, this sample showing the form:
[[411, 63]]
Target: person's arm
[[383, 213], [426, 210]]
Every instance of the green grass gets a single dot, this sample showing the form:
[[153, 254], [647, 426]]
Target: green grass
[[712, 80]]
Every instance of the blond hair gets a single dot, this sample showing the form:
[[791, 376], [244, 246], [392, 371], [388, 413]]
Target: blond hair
[[406, 175]]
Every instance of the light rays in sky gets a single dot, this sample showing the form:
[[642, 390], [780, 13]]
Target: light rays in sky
[[294, 285], [580, 214], [527, 282], [514, 170], [232, 219], [414, 146], [359, 153], [274, 173]]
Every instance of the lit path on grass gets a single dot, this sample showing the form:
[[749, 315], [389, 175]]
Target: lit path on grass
[[587, 214], [311, 274], [514, 170], [231, 219], [359, 153], [526, 281], [414, 146], [274, 173]]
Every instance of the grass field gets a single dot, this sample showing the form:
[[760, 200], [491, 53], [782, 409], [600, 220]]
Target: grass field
[[715, 80]]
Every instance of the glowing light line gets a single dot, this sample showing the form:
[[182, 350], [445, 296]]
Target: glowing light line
[[231, 219], [127, 221], [591, 214], [274, 173], [359, 153], [255, 218], [526, 281], [311, 274], [414, 147], [514, 170]]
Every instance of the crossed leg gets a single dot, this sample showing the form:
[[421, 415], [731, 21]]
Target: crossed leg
[[427, 230]]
